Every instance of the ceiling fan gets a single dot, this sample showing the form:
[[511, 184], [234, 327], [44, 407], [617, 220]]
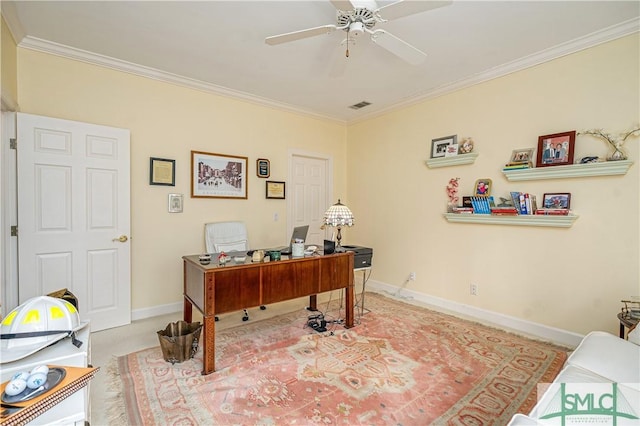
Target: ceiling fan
[[356, 17]]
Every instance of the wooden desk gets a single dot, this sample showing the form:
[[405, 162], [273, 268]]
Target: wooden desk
[[215, 289]]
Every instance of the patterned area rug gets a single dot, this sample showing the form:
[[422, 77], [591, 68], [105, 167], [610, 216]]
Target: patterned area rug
[[401, 365]]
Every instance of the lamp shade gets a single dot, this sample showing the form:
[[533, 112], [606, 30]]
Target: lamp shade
[[338, 215]]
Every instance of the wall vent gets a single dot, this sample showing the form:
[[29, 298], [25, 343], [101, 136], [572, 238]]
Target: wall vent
[[360, 105]]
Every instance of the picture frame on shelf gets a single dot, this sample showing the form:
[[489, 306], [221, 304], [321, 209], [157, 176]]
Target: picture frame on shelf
[[162, 171], [557, 200], [556, 149], [218, 175], [175, 203], [263, 168], [482, 188], [439, 146], [452, 150], [524, 155], [275, 190]]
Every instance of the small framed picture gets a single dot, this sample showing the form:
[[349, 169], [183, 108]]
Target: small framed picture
[[452, 150], [521, 155], [275, 190], [263, 168], [557, 200], [556, 149], [439, 146], [482, 188], [162, 171], [175, 203]]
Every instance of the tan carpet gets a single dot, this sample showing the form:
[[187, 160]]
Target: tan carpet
[[402, 365]]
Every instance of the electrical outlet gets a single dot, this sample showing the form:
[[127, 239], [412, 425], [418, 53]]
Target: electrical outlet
[[412, 276], [473, 289]]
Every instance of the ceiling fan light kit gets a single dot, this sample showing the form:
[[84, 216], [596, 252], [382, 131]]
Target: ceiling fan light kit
[[356, 17]]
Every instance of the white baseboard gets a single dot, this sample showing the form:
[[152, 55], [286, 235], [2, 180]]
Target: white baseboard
[[535, 330], [154, 311], [540, 331]]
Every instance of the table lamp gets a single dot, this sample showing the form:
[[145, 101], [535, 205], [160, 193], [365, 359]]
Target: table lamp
[[338, 215]]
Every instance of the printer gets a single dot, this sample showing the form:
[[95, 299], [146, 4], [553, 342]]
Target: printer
[[361, 256]]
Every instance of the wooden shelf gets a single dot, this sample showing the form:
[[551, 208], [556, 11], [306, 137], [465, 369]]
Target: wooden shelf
[[520, 220], [605, 168], [456, 160]]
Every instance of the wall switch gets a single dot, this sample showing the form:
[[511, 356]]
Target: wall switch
[[412, 276], [473, 289], [275, 217]]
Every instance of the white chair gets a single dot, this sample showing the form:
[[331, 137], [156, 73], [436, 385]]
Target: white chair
[[227, 236]]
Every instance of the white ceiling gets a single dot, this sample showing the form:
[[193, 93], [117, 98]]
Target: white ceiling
[[219, 46]]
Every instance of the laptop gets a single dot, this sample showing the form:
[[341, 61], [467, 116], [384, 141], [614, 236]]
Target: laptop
[[299, 233]]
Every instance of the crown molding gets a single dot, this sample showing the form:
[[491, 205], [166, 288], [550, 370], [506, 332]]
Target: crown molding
[[608, 34], [40, 45], [603, 36]]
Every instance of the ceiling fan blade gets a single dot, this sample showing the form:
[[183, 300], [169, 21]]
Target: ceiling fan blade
[[404, 8], [342, 4], [398, 47], [297, 35]]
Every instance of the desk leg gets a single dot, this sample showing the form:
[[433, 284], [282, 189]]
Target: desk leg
[[188, 309], [621, 330], [349, 300], [313, 303], [209, 344]]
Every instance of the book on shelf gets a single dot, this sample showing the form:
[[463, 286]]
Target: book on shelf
[[518, 165], [463, 210], [524, 202], [504, 211], [482, 205], [553, 212]]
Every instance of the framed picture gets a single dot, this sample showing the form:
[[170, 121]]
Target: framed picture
[[556, 149], [482, 188], [263, 168], [275, 190], [439, 146], [452, 150], [521, 155], [162, 171], [218, 175], [175, 203], [558, 200]]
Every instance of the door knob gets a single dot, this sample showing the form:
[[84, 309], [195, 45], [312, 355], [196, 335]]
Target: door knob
[[121, 238]]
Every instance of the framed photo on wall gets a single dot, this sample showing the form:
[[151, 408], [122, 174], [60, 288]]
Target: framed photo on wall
[[556, 149], [263, 168], [439, 146], [275, 190], [218, 175], [175, 203], [162, 171]]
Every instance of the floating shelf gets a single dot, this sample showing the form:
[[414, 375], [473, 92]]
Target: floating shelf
[[456, 160], [605, 168], [520, 220]]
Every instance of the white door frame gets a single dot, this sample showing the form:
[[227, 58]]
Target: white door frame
[[329, 181], [9, 213]]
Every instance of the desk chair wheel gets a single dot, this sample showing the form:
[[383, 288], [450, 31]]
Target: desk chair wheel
[[262, 308], [216, 318], [245, 317]]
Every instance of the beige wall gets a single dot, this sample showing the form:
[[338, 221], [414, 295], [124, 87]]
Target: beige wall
[[169, 121], [8, 67], [572, 278]]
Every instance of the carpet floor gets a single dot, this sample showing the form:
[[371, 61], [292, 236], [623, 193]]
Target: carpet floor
[[400, 365]]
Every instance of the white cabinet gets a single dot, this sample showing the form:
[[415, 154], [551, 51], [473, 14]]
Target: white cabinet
[[73, 410]]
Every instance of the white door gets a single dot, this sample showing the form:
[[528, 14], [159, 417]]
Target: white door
[[73, 215], [310, 177]]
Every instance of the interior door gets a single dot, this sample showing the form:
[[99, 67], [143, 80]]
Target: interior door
[[73, 215], [310, 177]]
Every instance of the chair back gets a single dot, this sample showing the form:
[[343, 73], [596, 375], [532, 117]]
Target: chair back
[[225, 236]]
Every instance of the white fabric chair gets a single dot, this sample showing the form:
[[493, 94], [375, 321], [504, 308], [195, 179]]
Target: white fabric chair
[[227, 236]]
